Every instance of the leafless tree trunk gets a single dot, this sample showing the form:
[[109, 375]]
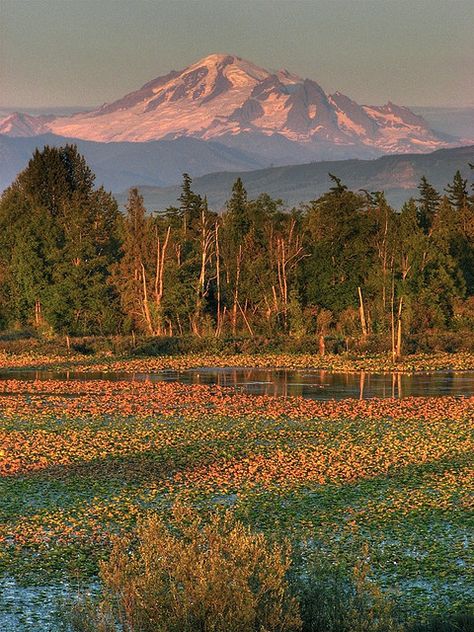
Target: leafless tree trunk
[[38, 314], [145, 304], [363, 321], [246, 320], [289, 253], [392, 314], [399, 329], [236, 290], [159, 271], [406, 266], [206, 239], [218, 281]]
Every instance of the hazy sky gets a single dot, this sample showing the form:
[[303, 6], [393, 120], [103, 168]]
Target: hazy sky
[[86, 52]]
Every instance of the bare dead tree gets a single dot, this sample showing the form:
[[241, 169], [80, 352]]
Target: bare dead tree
[[238, 264], [218, 279], [363, 321], [206, 240], [159, 272], [289, 252]]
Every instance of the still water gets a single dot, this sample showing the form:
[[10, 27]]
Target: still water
[[309, 383]]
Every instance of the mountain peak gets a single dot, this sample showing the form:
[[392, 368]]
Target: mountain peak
[[222, 60], [217, 58]]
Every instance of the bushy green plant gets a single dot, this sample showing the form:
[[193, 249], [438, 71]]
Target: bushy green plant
[[191, 576], [218, 576]]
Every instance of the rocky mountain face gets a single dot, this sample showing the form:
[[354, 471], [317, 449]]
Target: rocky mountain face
[[226, 99]]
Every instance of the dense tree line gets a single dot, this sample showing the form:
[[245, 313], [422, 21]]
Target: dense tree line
[[345, 265]]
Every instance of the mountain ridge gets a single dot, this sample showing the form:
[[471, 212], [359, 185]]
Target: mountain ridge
[[121, 165], [397, 175], [222, 97]]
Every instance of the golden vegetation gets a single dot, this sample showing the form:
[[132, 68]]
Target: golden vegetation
[[83, 460], [106, 362]]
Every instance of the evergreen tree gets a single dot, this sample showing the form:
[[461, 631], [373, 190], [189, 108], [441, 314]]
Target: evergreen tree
[[428, 203], [28, 249], [346, 262], [62, 238], [189, 207], [82, 301], [337, 234], [237, 218], [457, 191], [451, 236]]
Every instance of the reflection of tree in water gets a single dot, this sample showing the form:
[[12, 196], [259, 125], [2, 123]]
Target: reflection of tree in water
[[319, 384]]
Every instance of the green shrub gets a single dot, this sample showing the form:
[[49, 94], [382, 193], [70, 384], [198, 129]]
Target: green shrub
[[192, 577], [219, 576]]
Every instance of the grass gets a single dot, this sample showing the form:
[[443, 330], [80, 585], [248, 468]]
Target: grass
[[83, 460]]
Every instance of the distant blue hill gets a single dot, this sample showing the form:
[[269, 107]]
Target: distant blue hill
[[397, 175], [121, 165], [157, 166]]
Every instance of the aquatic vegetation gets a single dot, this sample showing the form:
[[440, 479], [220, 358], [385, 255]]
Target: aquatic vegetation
[[106, 362], [82, 460]]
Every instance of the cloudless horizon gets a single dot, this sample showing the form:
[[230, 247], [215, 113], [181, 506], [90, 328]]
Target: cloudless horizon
[[61, 53]]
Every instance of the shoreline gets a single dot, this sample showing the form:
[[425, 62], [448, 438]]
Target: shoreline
[[107, 362]]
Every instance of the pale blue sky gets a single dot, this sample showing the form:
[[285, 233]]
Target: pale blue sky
[[85, 52]]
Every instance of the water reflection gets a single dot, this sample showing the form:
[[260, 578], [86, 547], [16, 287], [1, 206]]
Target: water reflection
[[312, 384]]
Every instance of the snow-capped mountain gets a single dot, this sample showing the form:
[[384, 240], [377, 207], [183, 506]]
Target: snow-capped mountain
[[222, 97], [24, 125]]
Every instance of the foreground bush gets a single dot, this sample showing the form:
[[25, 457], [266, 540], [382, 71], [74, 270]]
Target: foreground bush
[[193, 577]]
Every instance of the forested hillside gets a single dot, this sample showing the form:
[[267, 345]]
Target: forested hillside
[[398, 176], [345, 266]]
